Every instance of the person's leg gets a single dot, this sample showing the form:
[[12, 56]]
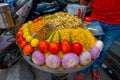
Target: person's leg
[[80, 74], [111, 34]]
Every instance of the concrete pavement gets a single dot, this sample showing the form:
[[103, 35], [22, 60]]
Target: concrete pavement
[[23, 71]]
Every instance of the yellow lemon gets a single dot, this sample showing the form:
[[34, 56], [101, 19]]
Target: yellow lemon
[[25, 30], [30, 22], [26, 25], [29, 38], [25, 34], [34, 42]]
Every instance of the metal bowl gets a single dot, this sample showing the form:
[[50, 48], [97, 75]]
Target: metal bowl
[[55, 71]]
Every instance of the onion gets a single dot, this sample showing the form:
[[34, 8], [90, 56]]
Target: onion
[[85, 58], [52, 61], [99, 44], [70, 61], [38, 58], [95, 52]]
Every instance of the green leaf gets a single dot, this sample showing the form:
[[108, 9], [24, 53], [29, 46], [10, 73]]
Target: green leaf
[[31, 58]]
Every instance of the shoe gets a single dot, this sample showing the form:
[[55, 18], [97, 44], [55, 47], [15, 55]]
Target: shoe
[[79, 76], [95, 75]]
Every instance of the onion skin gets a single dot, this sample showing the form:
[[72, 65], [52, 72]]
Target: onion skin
[[38, 58], [70, 60], [99, 44], [85, 58], [95, 52], [53, 61]]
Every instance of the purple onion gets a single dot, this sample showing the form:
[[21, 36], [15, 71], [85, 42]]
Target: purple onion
[[85, 58], [38, 58], [70, 60], [95, 52], [99, 44], [53, 61]]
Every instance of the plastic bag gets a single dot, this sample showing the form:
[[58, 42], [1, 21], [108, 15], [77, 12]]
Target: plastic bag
[[95, 28], [23, 12], [76, 10]]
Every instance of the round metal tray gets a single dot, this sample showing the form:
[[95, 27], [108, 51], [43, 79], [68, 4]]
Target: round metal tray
[[55, 71]]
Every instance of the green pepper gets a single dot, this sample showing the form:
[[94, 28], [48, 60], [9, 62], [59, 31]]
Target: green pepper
[[48, 35], [70, 37], [52, 37], [59, 37]]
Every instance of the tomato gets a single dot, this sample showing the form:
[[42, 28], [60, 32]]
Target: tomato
[[87, 19], [54, 47], [43, 46], [77, 48], [19, 33], [40, 17], [66, 46], [20, 29], [20, 39], [27, 50], [35, 20], [23, 43]]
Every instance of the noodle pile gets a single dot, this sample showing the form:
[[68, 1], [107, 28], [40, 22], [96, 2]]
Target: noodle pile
[[63, 20], [81, 35]]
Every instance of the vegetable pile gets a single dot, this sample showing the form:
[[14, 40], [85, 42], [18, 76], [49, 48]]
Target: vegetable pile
[[67, 48]]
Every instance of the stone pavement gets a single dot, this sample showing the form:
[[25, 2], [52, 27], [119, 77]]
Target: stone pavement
[[23, 71]]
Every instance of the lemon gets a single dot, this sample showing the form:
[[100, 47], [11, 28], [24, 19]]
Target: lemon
[[26, 25], [25, 34], [29, 38], [30, 22], [25, 30], [34, 42]]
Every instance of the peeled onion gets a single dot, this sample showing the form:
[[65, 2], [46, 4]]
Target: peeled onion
[[95, 52], [52, 61], [38, 58], [85, 58], [70, 61], [99, 44]]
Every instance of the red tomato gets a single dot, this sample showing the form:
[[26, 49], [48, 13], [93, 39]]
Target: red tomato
[[20, 29], [23, 43], [40, 17], [20, 39], [54, 47], [43, 46], [66, 46], [77, 48], [19, 33], [27, 50], [35, 20], [87, 19]]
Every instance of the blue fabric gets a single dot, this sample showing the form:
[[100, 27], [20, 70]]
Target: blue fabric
[[112, 32]]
